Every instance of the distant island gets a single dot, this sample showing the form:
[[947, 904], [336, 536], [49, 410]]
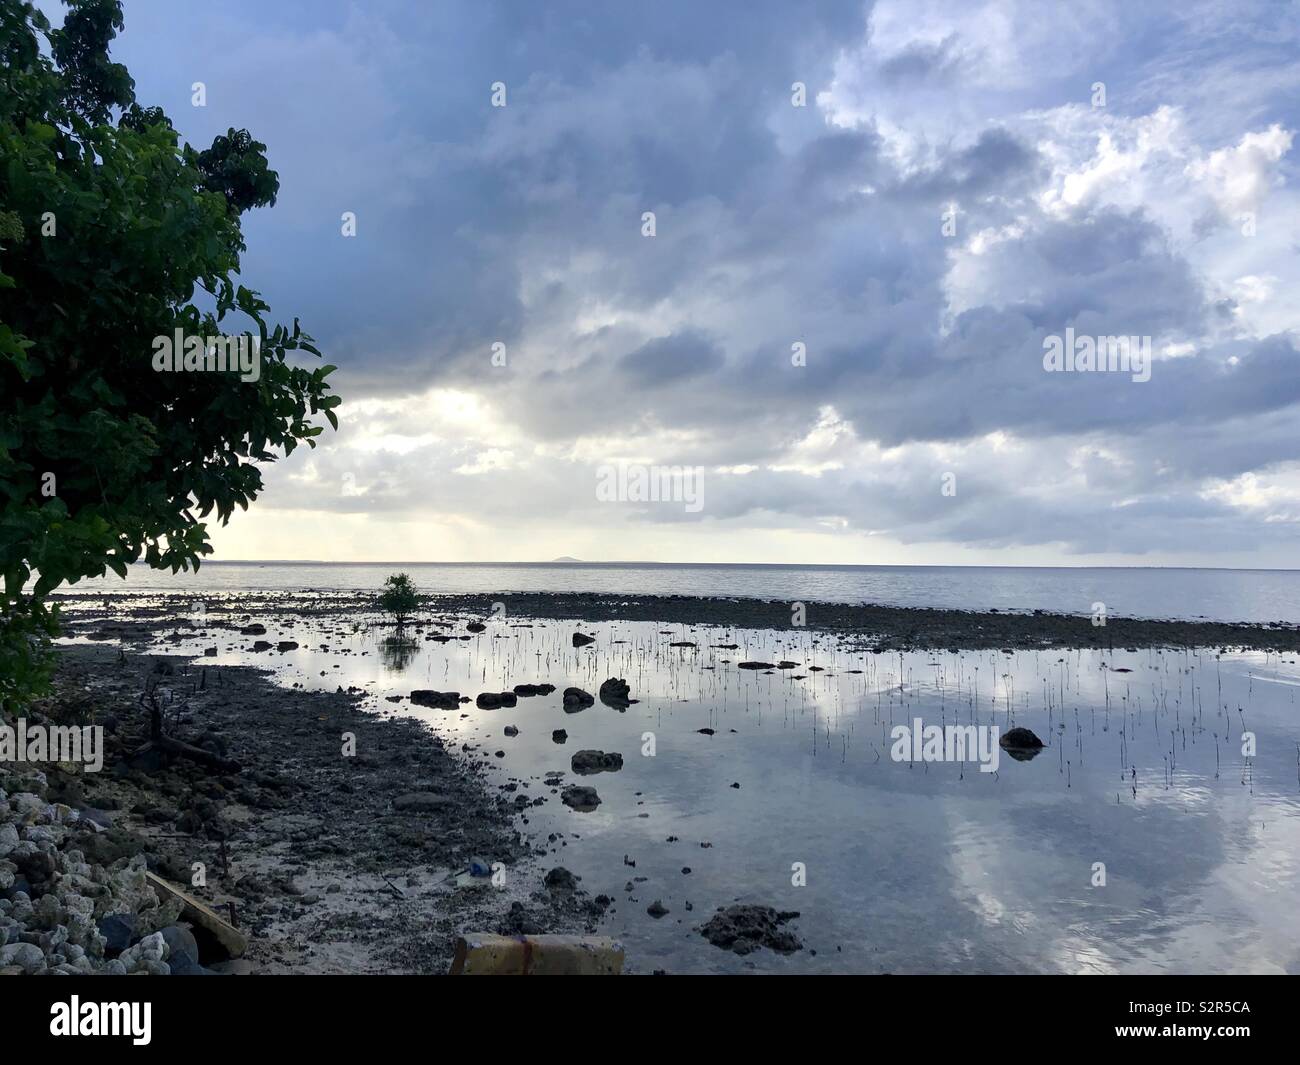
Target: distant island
[[566, 558]]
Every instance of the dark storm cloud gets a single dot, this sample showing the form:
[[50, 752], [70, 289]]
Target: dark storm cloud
[[774, 226]]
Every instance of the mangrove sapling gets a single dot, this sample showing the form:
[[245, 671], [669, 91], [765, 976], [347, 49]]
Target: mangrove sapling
[[399, 598]]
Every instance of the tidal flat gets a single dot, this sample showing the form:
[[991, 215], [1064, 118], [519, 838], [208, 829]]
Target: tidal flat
[[1158, 829]]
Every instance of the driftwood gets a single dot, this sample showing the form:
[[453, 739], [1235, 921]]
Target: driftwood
[[160, 741], [483, 954], [218, 934]]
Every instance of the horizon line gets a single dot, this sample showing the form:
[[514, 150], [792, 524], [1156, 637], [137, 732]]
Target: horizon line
[[738, 565]]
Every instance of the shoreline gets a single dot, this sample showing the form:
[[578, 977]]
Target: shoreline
[[877, 627], [333, 864]]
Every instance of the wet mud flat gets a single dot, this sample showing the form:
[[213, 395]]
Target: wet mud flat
[[329, 863], [881, 627]]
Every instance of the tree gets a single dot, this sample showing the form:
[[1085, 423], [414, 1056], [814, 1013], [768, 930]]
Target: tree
[[399, 598], [113, 235]]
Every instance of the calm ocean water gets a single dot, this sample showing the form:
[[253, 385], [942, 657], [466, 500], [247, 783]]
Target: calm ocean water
[[1217, 594]]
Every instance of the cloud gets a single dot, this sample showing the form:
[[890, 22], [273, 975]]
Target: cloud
[[948, 198]]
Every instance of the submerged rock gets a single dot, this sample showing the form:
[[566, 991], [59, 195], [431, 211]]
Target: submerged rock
[[744, 928], [581, 639], [756, 665]]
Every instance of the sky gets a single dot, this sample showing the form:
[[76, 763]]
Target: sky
[[833, 321]]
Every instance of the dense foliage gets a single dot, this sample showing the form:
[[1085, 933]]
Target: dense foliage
[[113, 233]]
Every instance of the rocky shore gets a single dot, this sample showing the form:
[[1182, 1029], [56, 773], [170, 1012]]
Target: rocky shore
[[345, 842]]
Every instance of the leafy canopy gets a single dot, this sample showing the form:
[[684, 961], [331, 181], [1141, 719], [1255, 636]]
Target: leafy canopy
[[113, 233]]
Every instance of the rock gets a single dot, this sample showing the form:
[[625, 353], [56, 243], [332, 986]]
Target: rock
[[559, 736], [586, 763], [657, 909], [421, 802], [580, 640], [180, 942], [510, 730], [756, 665], [745, 928], [436, 700], [576, 699], [1021, 744], [475, 626], [615, 692], [534, 689], [184, 965], [253, 630], [261, 645], [26, 955], [560, 879], [189, 822], [580, 798], [496, 700], [286, 645]]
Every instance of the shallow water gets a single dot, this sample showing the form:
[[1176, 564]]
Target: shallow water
[[910, 866]]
